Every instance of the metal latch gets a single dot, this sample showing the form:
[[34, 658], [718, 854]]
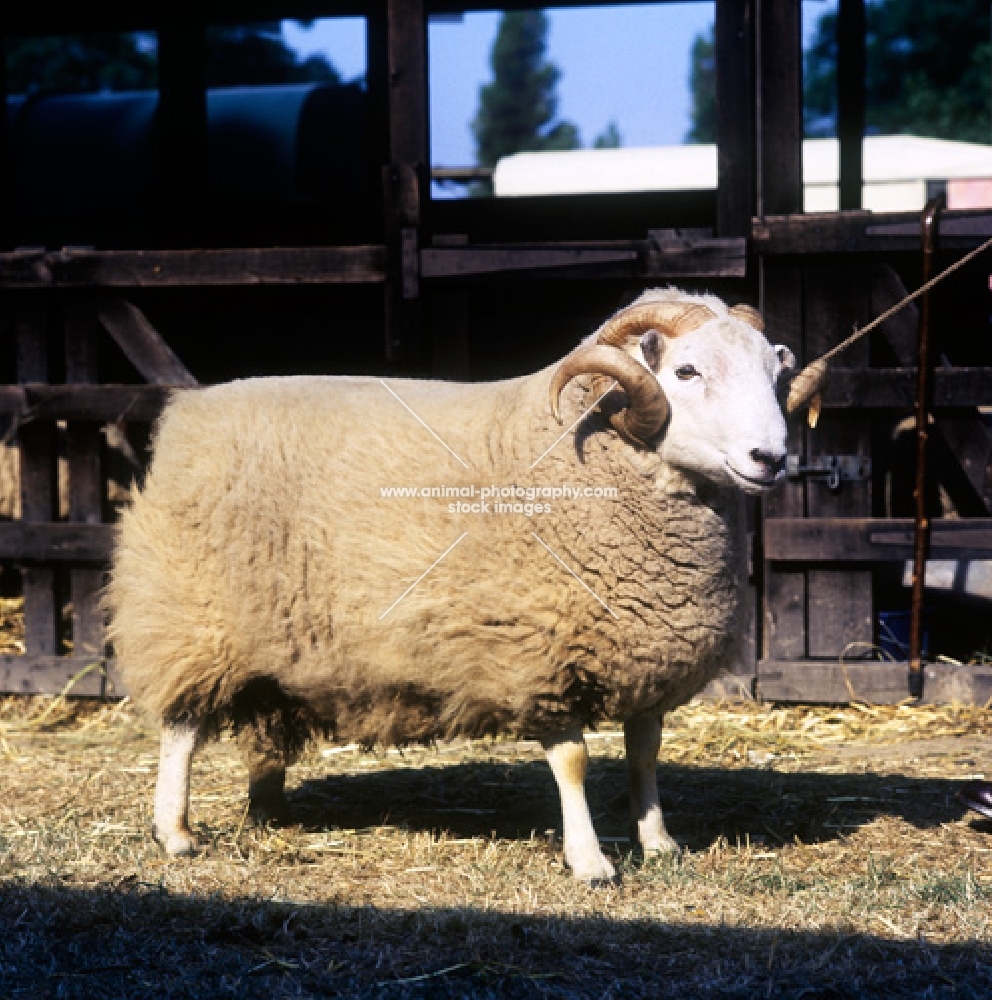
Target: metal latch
[[836, 469]]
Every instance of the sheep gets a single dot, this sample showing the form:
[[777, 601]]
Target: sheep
[[262, 579]]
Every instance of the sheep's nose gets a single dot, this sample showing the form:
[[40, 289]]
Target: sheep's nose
[[773, 462]]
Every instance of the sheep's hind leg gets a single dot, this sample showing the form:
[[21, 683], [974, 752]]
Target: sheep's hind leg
[[642, 735], [170, 825], [266, 765], [569, 760]]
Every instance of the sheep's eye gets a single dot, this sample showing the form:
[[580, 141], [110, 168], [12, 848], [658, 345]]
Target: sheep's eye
[[686, 372]]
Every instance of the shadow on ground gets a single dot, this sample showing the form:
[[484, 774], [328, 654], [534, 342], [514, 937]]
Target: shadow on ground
[[512, 800], [141, 941]]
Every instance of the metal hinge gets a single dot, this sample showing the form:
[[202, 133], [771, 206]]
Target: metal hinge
[[836, 469]]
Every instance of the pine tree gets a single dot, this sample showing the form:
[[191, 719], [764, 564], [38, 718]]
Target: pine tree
[[517, 110], [609, 138], [702, 87]]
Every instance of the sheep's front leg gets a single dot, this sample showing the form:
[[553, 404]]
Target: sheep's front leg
[[170, 825], [569, 760], [642, 735], [266, 776]]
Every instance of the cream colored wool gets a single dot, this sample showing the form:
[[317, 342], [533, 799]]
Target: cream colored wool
[[261, 548]]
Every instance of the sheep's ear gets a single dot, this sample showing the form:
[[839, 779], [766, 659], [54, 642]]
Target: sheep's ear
[[651, 349], [786, 360]]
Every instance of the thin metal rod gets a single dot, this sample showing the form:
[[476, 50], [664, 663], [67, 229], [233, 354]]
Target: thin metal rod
[[929, 229]]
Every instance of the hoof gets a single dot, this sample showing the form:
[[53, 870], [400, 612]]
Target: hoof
[[176, 843], [595, 871], [661, 847]]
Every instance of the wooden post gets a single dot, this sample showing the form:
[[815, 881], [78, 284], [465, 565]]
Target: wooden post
[[37, 479], [85, 479], [736, 201], [736, 192], [405, 177], [779, 107], [841, 607], [6, 203], [851, 99], [779, 131]]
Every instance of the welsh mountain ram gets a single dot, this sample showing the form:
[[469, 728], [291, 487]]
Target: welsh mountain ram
[[258, 575]]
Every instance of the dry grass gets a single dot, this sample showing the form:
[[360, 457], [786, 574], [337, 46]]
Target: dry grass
[[11, 625], [826, 856]]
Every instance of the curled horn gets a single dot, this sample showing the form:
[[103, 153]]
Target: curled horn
[[750, 315], [647, 409]]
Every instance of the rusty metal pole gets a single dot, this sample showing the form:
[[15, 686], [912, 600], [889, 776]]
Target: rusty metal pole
[[929, 230]]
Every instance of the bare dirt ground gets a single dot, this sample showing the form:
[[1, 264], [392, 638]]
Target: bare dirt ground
[[825, 856]]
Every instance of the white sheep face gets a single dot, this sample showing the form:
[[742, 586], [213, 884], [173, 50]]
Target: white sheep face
[[726, 421]]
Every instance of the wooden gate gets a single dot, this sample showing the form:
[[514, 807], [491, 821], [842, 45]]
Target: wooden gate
[[437, 271]]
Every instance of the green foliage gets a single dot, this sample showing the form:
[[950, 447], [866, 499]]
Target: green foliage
[[81, 63], [609, 138], [517, 110], [927, 70], [251, 55], [255, 55], [702, 88]]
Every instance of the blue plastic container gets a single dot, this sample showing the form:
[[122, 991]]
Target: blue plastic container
[[893, 633]]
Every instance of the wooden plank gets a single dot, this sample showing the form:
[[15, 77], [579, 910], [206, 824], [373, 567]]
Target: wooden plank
[[864, 232], [97, 403], [870, 539], [406, 178], [848, 388], [38, 481], [85, 477], [832, 682], [895, 388], [874, 682], [840, 603], [193, 268], [55, 541], [735, 145], [472, 261], [657, 258], [6, 227], [783, 617], [671, 256], [143, 345], [92, 676]]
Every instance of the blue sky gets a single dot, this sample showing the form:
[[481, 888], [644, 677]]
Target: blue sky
[[628, 64]]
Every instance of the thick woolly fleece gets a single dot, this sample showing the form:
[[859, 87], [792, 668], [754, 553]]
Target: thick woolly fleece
[[261, 549]]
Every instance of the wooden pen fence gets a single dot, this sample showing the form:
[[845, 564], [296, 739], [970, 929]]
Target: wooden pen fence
[[438, 272]]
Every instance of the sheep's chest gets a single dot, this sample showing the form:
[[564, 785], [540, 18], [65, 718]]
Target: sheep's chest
[[670, 564]]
